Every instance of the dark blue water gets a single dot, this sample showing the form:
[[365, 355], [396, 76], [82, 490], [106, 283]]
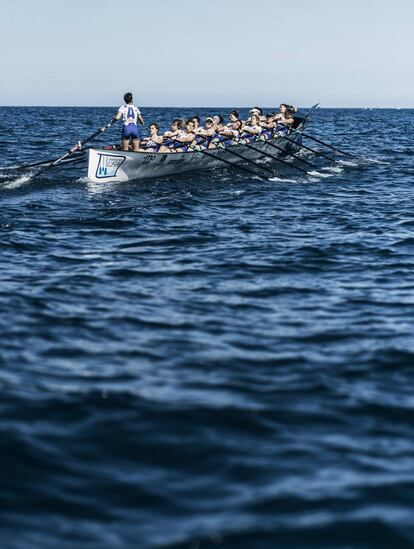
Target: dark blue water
[[207, 360]]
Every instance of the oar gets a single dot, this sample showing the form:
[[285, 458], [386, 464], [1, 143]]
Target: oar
[[232, 164], [249, 161], [41, 163], [327, 145], [278, 159], [76, 148], [285, 152], [308, 148]]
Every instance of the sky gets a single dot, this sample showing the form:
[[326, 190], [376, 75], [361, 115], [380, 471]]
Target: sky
[[353, 53]]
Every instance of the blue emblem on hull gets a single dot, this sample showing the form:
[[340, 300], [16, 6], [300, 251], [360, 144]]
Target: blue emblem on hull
[[108, 165]]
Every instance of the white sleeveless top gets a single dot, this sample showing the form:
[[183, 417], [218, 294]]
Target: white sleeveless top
[[129, 113]]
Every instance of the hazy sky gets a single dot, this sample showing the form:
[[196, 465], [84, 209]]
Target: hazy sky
[[207, 53]]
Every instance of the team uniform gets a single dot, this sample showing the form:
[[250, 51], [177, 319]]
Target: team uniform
[[247, 136], [130, 115]]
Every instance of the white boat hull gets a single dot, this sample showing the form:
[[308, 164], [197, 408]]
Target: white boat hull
[[117, 166]]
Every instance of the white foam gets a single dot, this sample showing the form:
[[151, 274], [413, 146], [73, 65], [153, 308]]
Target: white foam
[[319, 174], [332, 169], [11, 167], [283, 179], [349, 163], [16, 183], [376, 161]]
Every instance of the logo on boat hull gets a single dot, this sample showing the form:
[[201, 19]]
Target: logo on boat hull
[[149, 158], [108, 165]]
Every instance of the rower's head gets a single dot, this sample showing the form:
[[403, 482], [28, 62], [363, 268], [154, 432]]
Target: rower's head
[[218, 119], [177, 124], [270, 116], [189, 127], [256, 110], [233, 116], [208, 122], [283, 107], [128, 98], [154, 128], [237, 124], [196, 121], [255, 118]]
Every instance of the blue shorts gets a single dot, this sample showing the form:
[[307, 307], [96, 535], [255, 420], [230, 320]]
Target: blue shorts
[[130, 132]]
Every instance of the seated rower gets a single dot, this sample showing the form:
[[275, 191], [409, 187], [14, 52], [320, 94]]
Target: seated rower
[[205, 135], [196, 121], [233, 116], [268, 125], [252, 129], [176, 127], [227, 135], [218, 126], [182, 141], [284, 120], [258, 111], [153, 141], [218, 121]]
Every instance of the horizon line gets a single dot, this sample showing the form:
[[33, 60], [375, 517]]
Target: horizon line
[[366, 107]]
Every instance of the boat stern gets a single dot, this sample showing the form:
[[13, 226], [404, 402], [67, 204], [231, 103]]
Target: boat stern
[[106, 165]]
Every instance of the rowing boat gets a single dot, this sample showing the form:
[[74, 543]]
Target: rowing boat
[[116, 165]]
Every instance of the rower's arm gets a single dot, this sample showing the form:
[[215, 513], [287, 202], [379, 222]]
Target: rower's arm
[[140, 119]]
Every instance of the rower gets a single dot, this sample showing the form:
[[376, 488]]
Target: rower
[[204, 135], [227, 135], [153, 141], [176, 127], [233, 116], [284, 120], [252, 129], [130, 115], [182, 141], [218, 127], [196, 121], [258, 111], [268, 125]]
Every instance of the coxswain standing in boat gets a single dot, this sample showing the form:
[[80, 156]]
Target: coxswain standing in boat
[[130, 115]]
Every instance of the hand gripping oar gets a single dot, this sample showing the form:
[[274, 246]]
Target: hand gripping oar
[[76, 147], [327, 145], [282, 150], [216, 157]]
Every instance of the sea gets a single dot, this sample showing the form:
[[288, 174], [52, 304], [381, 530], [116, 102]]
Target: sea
[[212, 359]]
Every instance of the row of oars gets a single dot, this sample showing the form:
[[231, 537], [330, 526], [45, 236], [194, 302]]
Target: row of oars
[[66, 157], [277, 158]]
